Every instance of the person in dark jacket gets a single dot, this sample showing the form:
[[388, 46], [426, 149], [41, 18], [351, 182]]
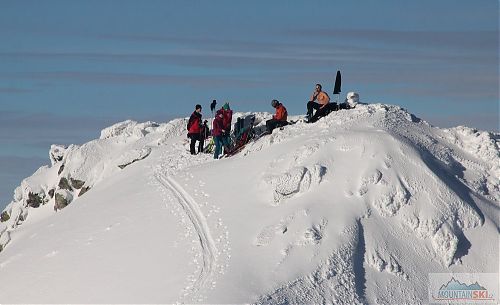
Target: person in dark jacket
[[194, 128], [218, 133]]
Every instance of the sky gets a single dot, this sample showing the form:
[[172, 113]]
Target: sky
[[71, 68]]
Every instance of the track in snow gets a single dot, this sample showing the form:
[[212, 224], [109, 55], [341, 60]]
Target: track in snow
[[200, 224]]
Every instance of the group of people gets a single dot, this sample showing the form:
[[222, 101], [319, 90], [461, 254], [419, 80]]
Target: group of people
[[221, 127]]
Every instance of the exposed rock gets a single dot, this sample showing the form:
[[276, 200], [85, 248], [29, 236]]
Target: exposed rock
[[61, 202], [77, 184], [61, 168], [4, 217], [63, 198], [51, 193], [64, 184], [34, 200], [84, 190]]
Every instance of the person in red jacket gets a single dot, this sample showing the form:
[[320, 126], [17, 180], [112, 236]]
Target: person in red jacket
[[227, 116], [217, 133], [194, 128], [279, 118]]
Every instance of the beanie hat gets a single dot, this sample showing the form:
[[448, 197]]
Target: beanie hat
[[226, 106]]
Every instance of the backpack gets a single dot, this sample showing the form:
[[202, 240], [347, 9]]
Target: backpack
[[243, 133]]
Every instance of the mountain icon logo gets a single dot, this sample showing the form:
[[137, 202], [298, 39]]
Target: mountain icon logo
[[455, 290], [453, 284]]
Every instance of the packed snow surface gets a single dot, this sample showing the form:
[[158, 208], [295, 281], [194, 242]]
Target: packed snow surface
[[357, 208]]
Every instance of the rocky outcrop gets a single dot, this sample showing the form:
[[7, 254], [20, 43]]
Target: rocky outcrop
[[64, 184], [63, 198], [77, 184], [4, 216], [84, 190], [34, 200], [61, 168]]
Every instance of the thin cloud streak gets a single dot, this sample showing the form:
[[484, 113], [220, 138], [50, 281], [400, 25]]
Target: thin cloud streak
[[298, 56], [136, 78], [12, 90], [464, 40]]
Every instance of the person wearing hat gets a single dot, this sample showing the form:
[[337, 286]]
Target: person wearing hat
[[217, 133], [194, 128], [279, 118], [227, 117]]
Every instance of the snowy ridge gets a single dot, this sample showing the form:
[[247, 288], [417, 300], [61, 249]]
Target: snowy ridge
[[354, 209]]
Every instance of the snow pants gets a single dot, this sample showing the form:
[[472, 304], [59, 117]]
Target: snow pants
[[196, 137], [272, 123], [219, 142], [321, 112]]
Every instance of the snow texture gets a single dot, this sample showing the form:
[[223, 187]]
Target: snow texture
[[356, 208]]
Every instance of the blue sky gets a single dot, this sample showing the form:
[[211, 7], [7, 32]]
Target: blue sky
[[70, 68]]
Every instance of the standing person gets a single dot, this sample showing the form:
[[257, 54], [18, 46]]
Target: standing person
[[279, 118], [205, 130], [217, 133], [194, 128], [322, 106], [227, 116]]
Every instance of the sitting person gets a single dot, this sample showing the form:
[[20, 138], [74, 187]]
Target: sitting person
[[323, 106], [279, 119]]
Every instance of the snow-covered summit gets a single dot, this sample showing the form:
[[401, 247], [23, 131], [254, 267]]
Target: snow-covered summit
[[356, 208]]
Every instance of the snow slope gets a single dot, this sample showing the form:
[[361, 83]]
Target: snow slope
[[356, 208]]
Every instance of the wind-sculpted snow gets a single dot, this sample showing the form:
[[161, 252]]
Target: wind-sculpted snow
[[401, 168], [336, 279], [296, 180], [119, 145], [357, 208], [132, 156], [128, 129]]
